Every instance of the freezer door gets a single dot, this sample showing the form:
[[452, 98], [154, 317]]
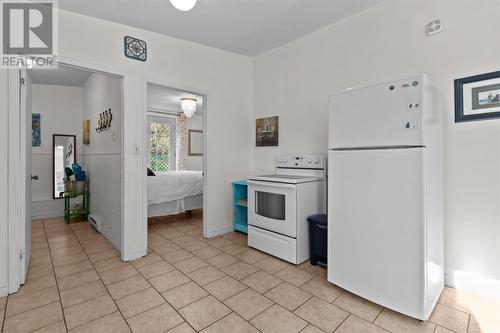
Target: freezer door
[[376, 243], [377, 116]]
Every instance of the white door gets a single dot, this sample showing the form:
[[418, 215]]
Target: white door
[[382, 115], [273, 206], [25, 230], [376, 226]]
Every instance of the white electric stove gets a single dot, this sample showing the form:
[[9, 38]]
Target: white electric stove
[[279, 204]]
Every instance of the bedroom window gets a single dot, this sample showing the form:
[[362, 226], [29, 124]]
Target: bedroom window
[[161, 144]]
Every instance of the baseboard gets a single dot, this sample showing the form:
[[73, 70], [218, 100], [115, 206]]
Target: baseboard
[[218, 232], [108, 237], [47, 215], [134, 255], [4, 291], [474, 283]]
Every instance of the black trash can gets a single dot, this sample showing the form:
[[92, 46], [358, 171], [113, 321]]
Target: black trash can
[[318, 239]]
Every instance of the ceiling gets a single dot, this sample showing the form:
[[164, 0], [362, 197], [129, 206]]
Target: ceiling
[[63, 76], [169, 99], [247, 27]]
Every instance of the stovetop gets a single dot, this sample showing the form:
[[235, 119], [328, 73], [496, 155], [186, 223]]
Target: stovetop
[[287, 179]]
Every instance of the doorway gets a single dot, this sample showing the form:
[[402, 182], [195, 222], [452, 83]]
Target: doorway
[[175, 163], [61, 112]]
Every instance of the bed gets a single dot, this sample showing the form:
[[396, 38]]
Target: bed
[[174, 192]]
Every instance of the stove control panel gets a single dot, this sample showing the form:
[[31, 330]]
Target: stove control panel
[[305, 161]]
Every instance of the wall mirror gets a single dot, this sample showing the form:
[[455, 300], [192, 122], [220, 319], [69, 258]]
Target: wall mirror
[[195, 143], [64, 155]]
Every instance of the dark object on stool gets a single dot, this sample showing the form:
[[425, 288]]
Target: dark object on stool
[[318, 239]]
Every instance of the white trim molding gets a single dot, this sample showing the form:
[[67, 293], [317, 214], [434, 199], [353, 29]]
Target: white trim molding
[[47, 215], [4, 291], [130, 84], [218, 232], [14, 175], [146, 112]]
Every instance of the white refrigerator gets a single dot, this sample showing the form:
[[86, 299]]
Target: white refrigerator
[[385, 195]]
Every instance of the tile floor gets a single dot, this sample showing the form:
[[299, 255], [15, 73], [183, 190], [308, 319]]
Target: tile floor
[[186, 283]]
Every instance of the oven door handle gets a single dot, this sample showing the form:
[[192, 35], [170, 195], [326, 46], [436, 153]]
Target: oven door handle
[[271, 184]]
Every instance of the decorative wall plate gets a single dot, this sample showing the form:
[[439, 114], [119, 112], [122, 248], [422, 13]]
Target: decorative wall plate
[[135, 48]]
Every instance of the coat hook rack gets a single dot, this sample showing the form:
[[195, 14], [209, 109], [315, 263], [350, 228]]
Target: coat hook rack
[[104, 121]]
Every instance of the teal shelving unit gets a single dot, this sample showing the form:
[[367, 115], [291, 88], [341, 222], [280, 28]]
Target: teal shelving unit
[[240, 206]]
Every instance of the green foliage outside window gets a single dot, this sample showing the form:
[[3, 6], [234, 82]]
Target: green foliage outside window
[[160, 147]]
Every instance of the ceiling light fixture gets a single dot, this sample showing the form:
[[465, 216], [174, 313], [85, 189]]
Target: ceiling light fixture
[[188, 106], [183, 5]]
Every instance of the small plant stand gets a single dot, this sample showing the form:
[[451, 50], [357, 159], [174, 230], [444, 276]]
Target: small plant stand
[[79, 212]]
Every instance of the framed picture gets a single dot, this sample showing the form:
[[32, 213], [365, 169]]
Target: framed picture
[[36, 140], [477, 97], [195, 144], [266, 132], [86, 132]]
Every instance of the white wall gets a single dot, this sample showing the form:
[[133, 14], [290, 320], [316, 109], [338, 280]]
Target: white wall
[[102, 157], [388, 42], [60, 108], [4, 281], [195, 163]]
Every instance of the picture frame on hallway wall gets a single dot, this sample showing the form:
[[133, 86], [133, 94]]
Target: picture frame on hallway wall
[[477, 97], [86, 132], [36, 135], [267, 132]]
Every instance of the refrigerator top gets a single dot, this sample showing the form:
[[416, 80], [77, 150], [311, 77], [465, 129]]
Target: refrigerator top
[[383, 115]]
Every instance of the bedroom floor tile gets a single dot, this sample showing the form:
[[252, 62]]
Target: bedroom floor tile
[[187, 283]]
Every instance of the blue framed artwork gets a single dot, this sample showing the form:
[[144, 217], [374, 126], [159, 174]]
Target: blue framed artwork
[[135, 48], [36, 140], [477, 97]]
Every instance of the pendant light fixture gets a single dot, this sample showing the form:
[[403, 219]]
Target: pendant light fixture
[[188, 106], [183, 5]]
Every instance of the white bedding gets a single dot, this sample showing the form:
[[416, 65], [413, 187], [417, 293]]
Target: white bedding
[[174, 185]]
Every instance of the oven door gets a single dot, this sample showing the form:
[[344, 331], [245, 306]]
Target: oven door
[[273, 207]]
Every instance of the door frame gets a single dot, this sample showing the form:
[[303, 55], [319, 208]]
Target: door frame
[[16, 192], [182, 87], [16, 199]]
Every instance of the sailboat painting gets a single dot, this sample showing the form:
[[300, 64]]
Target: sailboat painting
[[486, 97]]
